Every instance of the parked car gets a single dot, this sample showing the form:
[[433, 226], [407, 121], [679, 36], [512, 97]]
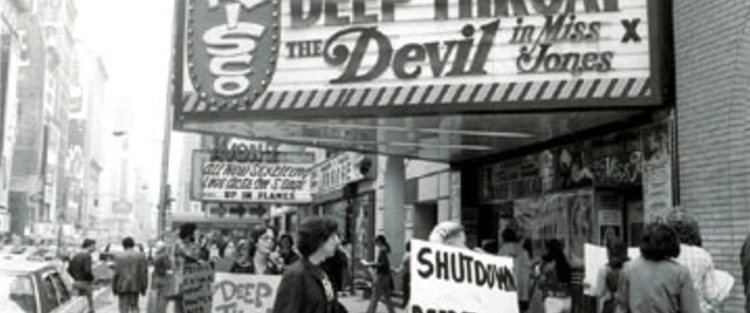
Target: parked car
[[36, 287]]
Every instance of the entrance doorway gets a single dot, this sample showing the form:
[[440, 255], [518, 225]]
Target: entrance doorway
[[425, 219]]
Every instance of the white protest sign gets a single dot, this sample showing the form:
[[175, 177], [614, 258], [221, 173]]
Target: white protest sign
[[241, 293], [448, 279], [596, 258]]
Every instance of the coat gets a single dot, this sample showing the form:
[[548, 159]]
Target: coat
[[301, 290], [131, 273]]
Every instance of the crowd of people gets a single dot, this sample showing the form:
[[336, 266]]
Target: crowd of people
[[672, 274]]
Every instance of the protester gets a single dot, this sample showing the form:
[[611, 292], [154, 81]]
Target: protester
[[655, 282], [131, 277], [335, 267], [160, 279], [305, 288], [449, 233], [555, 278], [406, 274], [521, 265], [697, 260], [745, 263], [608, 277], [80, 269], [184, 251], [255, 254], [382, 285], [286, 250]]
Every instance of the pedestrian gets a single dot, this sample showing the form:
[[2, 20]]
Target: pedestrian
[[334, 268], [286, 250], [183, 252], [305, 287], [255, 254], [608, 277], [80, 269], [131, 277], [521, 265], [745, 263], [160, 279], [449, 233], [383, 281], [654, 282], [697, 260], [555, 278], [406, 274]]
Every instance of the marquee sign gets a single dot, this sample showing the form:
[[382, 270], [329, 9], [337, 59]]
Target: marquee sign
[[311, 58]]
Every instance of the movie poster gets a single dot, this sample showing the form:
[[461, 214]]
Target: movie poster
[[657, 178], [581, 219]]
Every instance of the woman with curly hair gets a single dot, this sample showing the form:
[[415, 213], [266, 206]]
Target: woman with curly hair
[[655, 282], [255, 254]]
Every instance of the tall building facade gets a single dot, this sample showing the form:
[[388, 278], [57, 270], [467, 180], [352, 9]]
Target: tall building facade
[[11, 59]]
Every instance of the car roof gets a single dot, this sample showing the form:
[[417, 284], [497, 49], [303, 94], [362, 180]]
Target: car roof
[[19, 266]]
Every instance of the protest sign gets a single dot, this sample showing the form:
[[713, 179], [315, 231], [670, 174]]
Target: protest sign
[[596, 258], [196, 288], [239, 293], [448, 279]]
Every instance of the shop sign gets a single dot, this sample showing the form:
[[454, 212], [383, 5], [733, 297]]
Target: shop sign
[[335, 173], [253, 182], [308, 58], [512, 179]]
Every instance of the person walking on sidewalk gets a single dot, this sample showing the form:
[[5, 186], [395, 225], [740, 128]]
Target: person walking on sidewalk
[[80, 269], [383, 281], [305, 287], [655, 282], [131, 277], [521, 265], [697, 260]]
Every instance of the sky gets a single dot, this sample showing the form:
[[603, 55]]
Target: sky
[[134, 39]]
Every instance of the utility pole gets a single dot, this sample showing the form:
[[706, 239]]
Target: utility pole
[[174, 96]]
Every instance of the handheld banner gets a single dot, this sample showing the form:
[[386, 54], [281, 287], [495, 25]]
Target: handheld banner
[[448, 279], [244, 293], [196, 288]]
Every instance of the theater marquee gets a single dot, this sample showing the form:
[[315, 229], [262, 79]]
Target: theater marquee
[[313, 58]]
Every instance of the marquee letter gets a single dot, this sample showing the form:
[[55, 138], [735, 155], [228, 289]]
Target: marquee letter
[[299, 19]]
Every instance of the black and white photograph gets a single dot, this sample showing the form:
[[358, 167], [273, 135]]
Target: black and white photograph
[[374, 156]]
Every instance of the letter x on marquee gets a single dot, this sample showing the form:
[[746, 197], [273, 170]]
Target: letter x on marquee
[[631, 33]]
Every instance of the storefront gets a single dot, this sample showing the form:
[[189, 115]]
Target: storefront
[[343, 187], [556, 115]]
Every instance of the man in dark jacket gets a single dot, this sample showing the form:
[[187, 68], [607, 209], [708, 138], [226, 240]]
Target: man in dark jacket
[[80, 269], [745, 262], [131, 277]]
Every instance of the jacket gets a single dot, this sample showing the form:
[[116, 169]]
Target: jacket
[[80, 267], [301, 290], [131, 273]]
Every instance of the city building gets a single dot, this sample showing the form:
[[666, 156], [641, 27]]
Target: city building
[[580, 130], [11, 59]]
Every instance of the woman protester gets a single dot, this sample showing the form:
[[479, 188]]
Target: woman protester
[[696, 259], [608, 277], [305, 287], [655, 282], [555, 278], [255, 254], [286, 250], [383, 280]]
